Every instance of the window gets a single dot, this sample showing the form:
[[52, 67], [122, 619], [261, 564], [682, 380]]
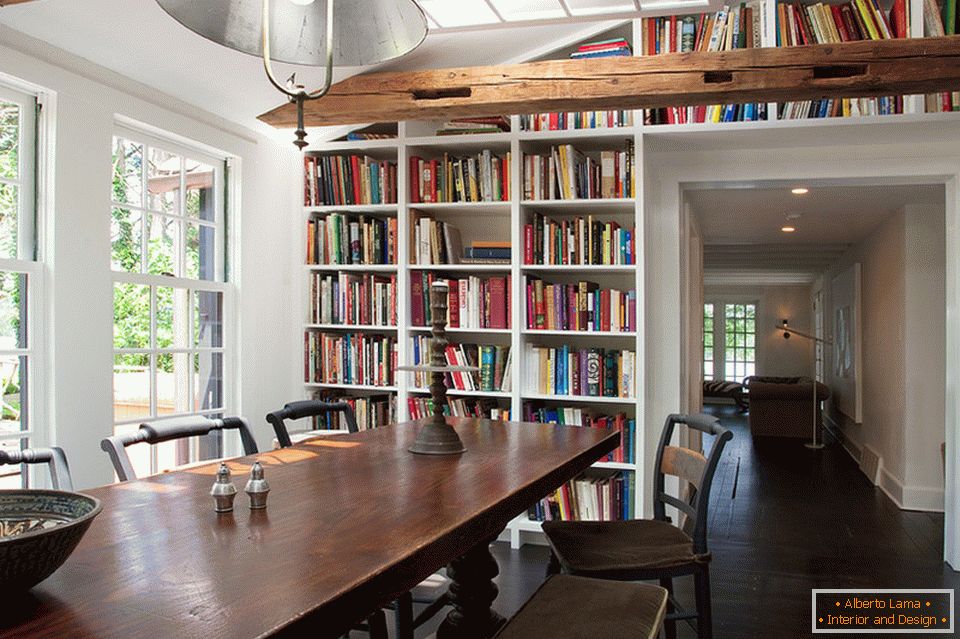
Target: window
[[740, 334], [19, 276], [169, 297], [708, 342]]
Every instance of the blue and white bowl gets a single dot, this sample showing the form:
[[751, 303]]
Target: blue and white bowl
[[38, 531]]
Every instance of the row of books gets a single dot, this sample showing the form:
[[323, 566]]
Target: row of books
[[353, 299], [725, 30], [371, 412], [587, 372], [596, 495], [568, 174], [576, 416], [582, 306], [937, 22], [484, 177], [335, 180], [475, 125], [612, 47], [338, 239], [474, 302], [349, 358], [574, 120], [800, 24], [578, 241], [493, 361], [481, 408]]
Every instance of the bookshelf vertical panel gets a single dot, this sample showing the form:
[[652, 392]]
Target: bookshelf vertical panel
[[403, 274]]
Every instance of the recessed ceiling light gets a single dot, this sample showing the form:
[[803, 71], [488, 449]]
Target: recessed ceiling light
[[800, 191], [788, 229]]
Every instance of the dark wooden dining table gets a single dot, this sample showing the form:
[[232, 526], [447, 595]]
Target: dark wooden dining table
[[351, 522]]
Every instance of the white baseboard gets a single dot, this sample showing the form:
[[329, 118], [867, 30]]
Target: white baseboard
[[920, 498]]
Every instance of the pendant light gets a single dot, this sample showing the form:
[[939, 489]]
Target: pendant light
[[306, 32]]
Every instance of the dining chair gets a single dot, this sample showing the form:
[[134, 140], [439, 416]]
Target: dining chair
[[568, 606], [53, 457], [646, 549], [165, 430], [431, 592], [309, 408]]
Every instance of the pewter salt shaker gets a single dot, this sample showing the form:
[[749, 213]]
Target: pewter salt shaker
[[223, 491], [257, 487]]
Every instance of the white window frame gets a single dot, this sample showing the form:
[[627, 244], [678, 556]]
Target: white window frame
[[703, 347], [735, 361], [27, 263], [221, 163]]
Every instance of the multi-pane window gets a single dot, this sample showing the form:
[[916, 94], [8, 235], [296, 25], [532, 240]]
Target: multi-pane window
[[708, 341], [19, 276], [169, 298], [740, 334]]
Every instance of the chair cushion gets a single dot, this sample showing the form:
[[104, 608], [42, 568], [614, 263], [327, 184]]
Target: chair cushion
[[582, 608], [616, 549]]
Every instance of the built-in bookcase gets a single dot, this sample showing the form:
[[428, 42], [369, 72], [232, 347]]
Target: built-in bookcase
[[508, 220]]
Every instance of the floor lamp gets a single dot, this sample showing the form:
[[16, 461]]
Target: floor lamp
[[787, 332]]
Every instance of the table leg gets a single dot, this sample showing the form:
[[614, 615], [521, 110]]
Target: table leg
[[471, 593]]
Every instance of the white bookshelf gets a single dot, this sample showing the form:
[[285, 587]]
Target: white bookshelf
[[507, 220]]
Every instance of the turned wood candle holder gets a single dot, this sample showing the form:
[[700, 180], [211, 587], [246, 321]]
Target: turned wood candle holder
[[437, 437]]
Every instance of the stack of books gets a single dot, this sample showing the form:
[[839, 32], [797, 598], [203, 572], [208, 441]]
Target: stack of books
[[577, 241], [481, 408], [371, 412], [614, 47], [359, 136], [350, 358], [582, 306], [353, 299], [935, 23], [338, 180], [463, 126], [727, 29], [338, 239], [474, 302], [799, 24], [493, 362], [586, 372], [487, 252], [596, 495], [568, 174], [575, 416], [484, 177]]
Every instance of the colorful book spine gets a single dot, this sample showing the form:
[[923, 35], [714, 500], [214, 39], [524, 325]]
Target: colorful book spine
[[566, 173], [581, 306], [474, 302], [352, 299], [349, 358], [595, 495], [343, 180], [589, 372], [340, 238], [579, 241]]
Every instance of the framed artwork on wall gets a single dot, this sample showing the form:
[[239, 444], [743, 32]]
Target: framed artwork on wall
[[847, 347]]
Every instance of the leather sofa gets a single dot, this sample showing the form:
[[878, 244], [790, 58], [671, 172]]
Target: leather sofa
[[784, 406]]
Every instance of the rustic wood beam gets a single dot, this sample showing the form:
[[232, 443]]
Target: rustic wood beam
[[851, 69], [4, 3]]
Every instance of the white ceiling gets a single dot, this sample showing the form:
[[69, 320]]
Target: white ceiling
[[137, 39], [741, 226]]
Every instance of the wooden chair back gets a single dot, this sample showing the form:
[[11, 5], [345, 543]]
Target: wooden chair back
[[308, 408], [692, 467], [166, 430], [53, 457]]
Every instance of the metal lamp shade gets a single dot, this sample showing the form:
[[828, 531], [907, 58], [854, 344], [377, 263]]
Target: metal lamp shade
[[365, 31]]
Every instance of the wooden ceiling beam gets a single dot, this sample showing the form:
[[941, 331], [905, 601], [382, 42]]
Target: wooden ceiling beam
[[851, 69], [4, 3]]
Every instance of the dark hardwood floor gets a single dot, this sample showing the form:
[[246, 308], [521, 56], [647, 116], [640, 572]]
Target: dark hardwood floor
[[784, 519]]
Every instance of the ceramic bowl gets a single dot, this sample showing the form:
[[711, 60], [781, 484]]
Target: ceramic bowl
[[38, 531]]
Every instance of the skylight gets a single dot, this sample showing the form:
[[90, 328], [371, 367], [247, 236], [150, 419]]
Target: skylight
[[462, 15]]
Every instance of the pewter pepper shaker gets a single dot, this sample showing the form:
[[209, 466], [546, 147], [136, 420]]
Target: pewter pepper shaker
[[223, 491], [257, 487]]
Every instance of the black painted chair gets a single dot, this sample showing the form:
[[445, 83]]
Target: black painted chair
[[647, 549], [309, 408], [165, 430], [54, 458], [568, 606], [432, 592]]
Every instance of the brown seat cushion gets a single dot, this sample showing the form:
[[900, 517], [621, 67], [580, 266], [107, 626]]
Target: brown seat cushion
[[606, 548], [581, 608]]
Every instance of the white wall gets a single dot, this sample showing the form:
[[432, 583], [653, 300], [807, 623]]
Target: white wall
[[76, 405], [776, 356], [904, 324]]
